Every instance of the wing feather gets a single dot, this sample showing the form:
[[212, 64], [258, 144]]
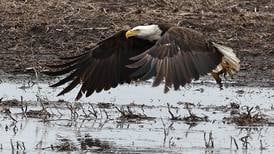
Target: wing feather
[[72, 85], [152, 70], [159, 73]]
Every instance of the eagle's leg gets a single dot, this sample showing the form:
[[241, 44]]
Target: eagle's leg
[[166, 89], [217, 78], [223, 69]]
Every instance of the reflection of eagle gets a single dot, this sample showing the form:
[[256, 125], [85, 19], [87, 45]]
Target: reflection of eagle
[[174, 54]]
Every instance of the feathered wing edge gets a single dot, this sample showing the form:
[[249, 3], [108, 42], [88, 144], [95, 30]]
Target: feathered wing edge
[[74, 66]]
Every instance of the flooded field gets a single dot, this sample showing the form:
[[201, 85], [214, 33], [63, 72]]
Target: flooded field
[[199, 118]]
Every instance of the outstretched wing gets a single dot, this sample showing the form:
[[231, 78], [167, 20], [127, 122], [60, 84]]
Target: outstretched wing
[[103, 67], [178, 57]]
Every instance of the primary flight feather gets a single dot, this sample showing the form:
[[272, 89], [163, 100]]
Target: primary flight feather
[[174, 54]]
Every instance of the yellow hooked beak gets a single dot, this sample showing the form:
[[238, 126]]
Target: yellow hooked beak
[[131, 33]]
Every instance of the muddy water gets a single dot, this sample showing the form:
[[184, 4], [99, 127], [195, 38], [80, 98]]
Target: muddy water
[[158, 135]]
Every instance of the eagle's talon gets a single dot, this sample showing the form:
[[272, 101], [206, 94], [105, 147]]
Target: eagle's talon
[[166, 89], [221, 86], [225, 75]]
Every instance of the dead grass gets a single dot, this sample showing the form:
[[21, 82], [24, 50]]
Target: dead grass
[[248, 117], [35, 32], [129, 116], [191, 119]]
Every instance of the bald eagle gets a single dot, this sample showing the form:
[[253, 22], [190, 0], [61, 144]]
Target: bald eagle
[[173, 54]]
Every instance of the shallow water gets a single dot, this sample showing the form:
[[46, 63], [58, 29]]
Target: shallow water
[[140, 135], [205, 94]]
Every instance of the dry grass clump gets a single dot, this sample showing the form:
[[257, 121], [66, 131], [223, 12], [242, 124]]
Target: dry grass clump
[[249, 117], [129, 116]]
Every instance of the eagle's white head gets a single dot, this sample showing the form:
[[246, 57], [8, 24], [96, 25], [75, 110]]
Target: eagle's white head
[[149, 32]]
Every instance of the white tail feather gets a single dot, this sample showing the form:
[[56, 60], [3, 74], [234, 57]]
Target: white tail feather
[[229, 58]]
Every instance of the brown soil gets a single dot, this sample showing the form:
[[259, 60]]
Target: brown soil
[[35, 32]]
